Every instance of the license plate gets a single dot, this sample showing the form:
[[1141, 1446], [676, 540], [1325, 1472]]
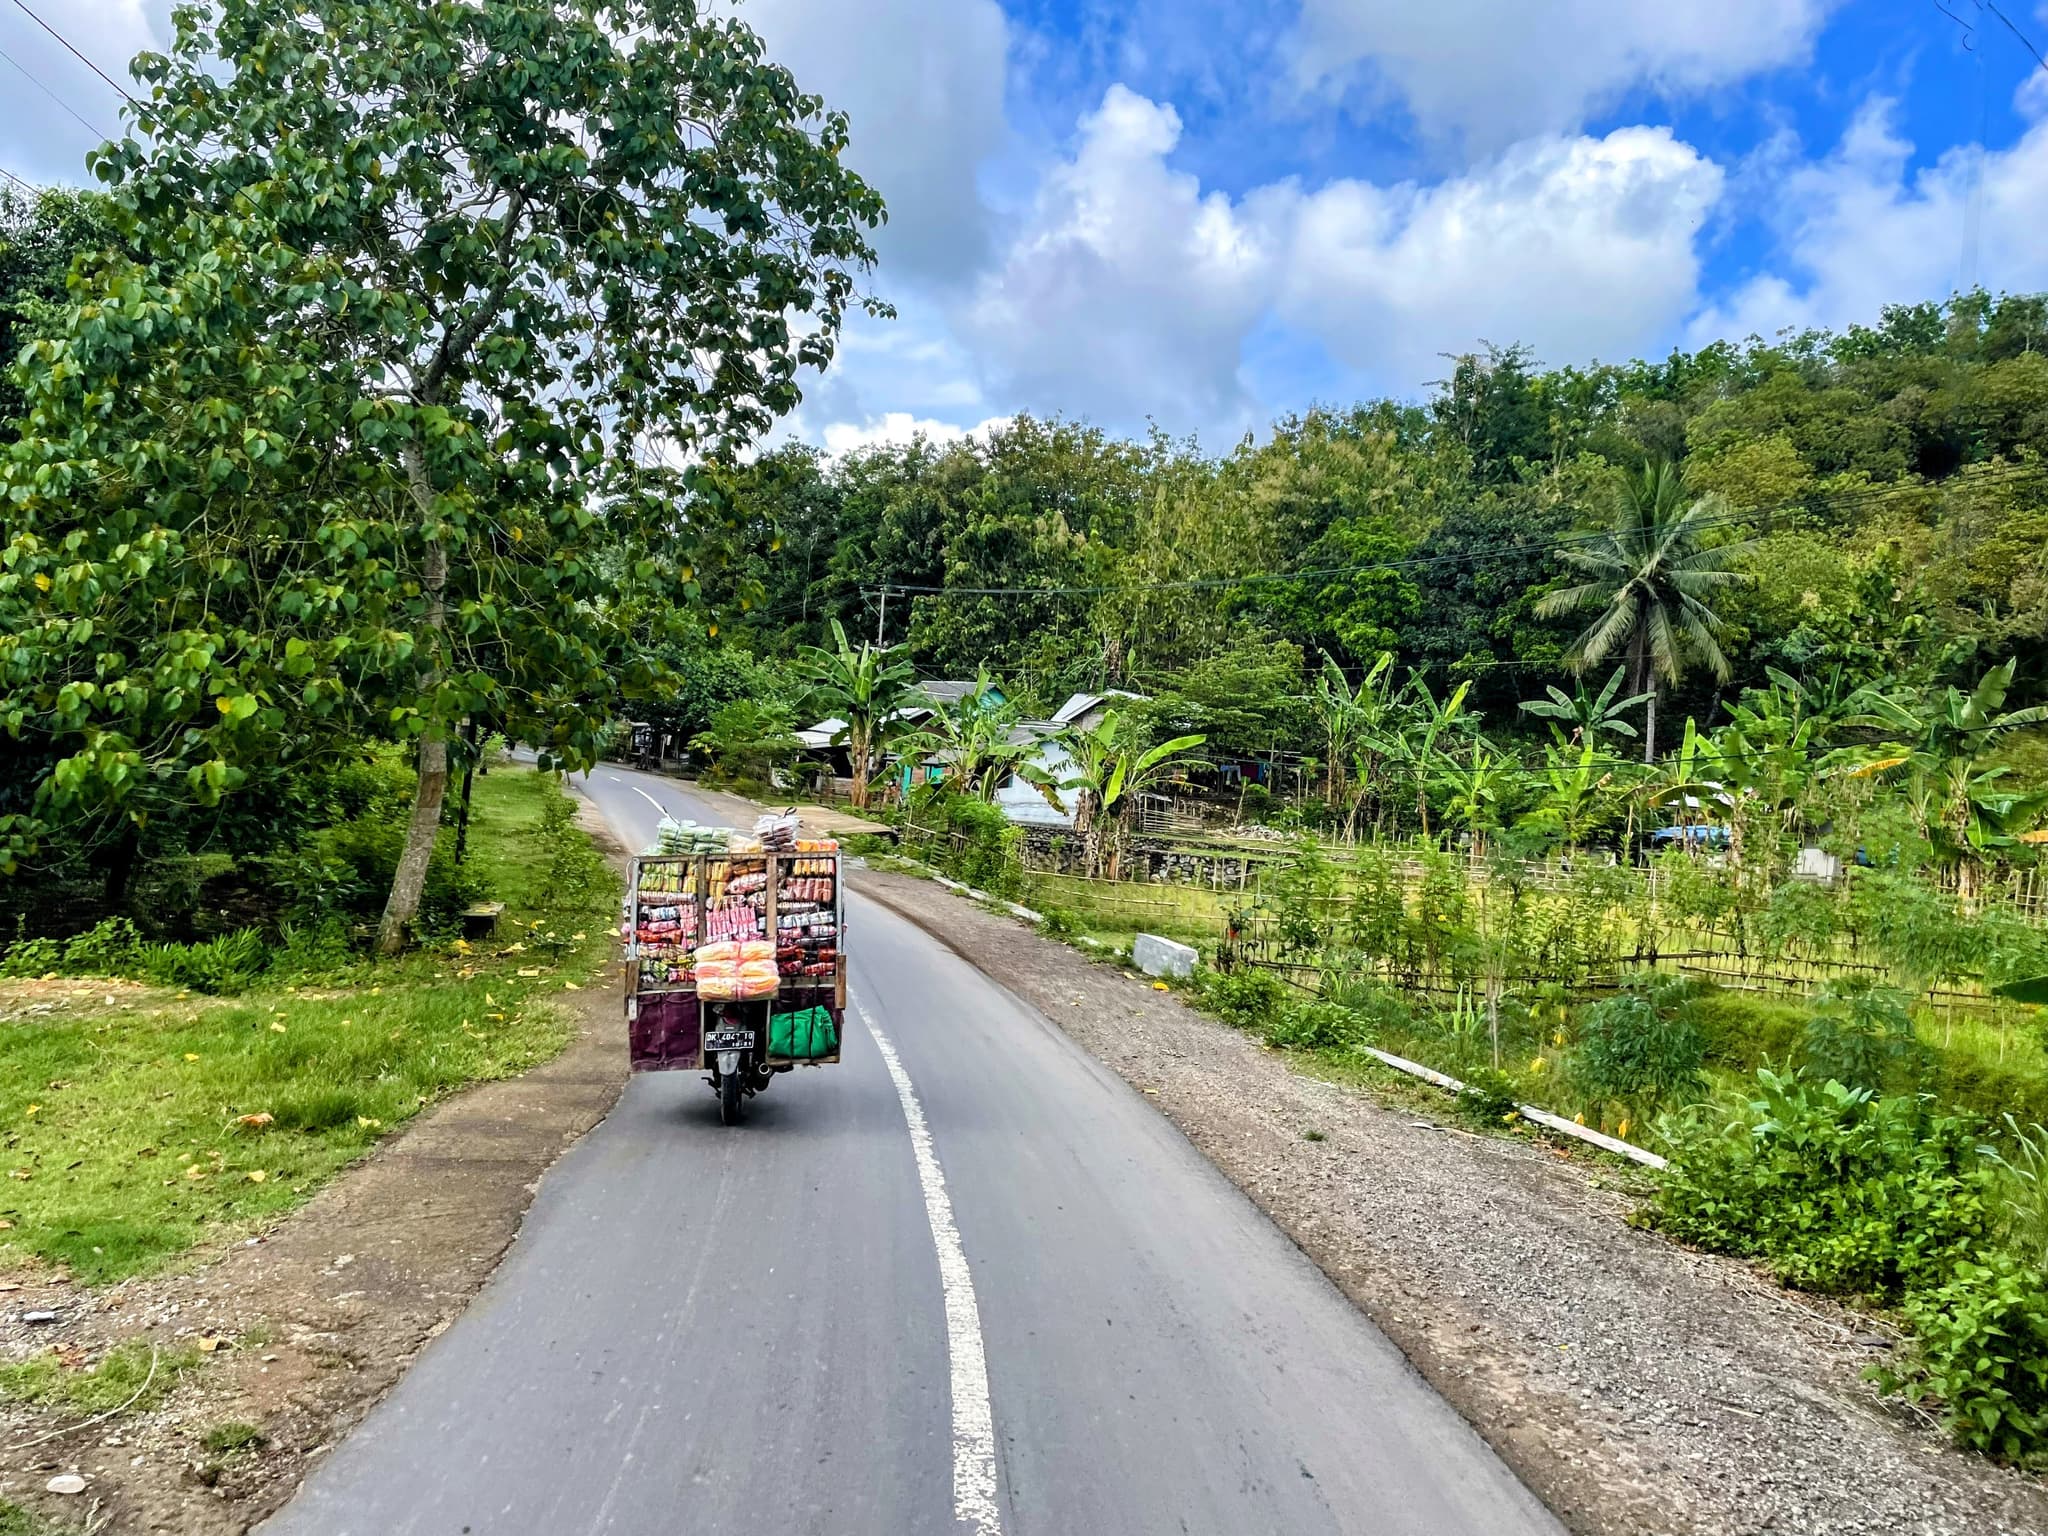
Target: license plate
[[728, 1040]]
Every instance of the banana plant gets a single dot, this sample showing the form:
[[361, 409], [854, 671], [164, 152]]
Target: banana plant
[[1960, 805], [1413, 741], [1344, 712], [1573, 782], [1107, 770], [865, 689], [1590, 716], [973, 738], [1474, 789]]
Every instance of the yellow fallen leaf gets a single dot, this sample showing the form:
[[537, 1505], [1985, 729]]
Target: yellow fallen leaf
[[195, 1172], [207, 1346], [368, 1124], [376, 991], [578, 937], [1160, 986], [6, 1225], [276, 1028], [257, 1121], [498, 1016], [191, 1055], [35, 1109], [570, 986], [255, 1175], [529, 970]]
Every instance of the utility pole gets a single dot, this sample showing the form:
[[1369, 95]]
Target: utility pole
[[881, 617]]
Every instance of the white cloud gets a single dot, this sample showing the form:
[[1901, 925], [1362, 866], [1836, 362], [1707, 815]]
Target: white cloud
[[1128, 291], [896, 427], [1580, 247], [1492, 71], [1859, 229], [1131, 292], [921, 82]]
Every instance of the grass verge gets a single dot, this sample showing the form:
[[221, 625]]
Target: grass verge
[[139, 1124], [132, 1374], [16, 1521]]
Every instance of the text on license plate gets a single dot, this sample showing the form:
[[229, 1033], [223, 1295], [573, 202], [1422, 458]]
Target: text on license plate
[[729, 1040]]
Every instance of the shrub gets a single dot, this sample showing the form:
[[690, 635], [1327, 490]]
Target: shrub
[[346, 871], [1861, 1033], [1838, 1191], [1245, 999], [1643, 1044], [1319, 1026], [29, 958], [1489, 1097], [1057, 923], [108, 948], [221, 967], [1982, 1351], [575, 871], [983, 847]]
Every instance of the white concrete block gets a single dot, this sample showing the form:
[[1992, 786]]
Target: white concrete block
[[1162, 957]]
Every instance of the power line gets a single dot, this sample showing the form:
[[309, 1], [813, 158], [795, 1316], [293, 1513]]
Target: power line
[[27, 186], [38, 84], [2024, 41], [72, 49]]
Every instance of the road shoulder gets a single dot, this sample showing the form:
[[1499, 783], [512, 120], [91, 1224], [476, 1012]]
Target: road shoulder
[[1635, 1386], [314, 1322]]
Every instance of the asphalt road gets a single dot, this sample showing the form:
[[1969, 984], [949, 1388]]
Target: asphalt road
[[770, 1328]]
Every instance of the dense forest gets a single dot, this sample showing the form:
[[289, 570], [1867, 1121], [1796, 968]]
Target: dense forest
[[1883, 488]]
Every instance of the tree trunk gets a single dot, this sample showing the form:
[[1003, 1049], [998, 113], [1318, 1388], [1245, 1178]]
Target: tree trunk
[[409, 883], [469, 767], [857, 754], [121, 866], [1650, 728]]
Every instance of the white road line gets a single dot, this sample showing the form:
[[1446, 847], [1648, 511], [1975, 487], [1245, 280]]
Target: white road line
[[650, 799], [974, 1434]]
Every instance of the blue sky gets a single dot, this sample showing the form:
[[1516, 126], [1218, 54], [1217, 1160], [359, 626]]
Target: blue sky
[[1207, 213]]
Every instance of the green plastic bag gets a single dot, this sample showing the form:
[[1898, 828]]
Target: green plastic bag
[[803, 1035]]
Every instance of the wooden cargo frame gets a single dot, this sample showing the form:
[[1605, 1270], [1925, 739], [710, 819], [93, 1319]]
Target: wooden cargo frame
[[692, 880]]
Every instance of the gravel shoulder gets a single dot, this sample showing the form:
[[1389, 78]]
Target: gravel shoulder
[[1639, 1388]]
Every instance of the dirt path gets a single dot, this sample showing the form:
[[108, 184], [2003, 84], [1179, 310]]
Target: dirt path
[[1639, 1388], [321, 1316]]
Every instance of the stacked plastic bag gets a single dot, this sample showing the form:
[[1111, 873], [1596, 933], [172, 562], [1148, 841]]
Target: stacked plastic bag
[[777, 831], [685, 839], [738, 971]]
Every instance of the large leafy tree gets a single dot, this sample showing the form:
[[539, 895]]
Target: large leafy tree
[[427, 300], [1651, 572], [39, 237]]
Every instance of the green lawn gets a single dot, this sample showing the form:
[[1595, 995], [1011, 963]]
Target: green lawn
[[138, 1126]]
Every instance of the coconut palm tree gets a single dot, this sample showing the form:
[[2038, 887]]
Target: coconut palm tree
[[1651, 573], [863, 687]]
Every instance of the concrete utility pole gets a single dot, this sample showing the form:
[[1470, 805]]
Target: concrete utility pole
[[881, 616]]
